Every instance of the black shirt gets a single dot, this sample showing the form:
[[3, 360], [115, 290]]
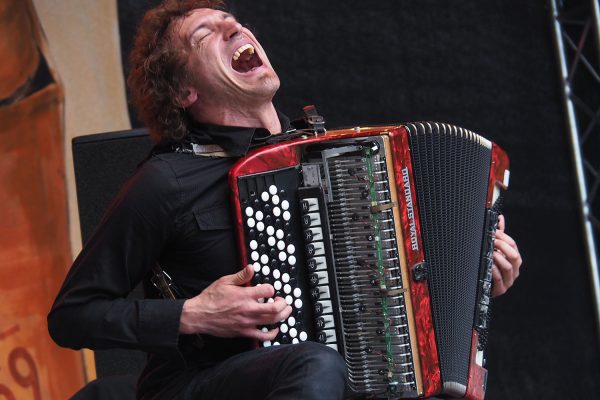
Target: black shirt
[[175, 209]]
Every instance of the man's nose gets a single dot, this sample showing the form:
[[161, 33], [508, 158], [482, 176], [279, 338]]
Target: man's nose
[[230, 28]]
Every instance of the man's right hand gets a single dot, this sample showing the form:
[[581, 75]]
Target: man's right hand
[[227, 308]]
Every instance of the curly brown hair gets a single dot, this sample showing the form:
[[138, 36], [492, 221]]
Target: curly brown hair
[[158, 69]]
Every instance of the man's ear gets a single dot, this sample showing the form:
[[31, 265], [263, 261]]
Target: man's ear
[[188, 96]]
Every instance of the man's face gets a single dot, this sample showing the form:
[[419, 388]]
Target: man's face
[[228, 65]]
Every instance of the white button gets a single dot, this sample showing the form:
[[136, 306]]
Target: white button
[[277, 285], [253, 244], [276, 274], [292, 260], [250, 222], [275, 343], [270, 300], [295, 341], [249, 211], [281, 245], [270, 230], [292, 321], [261, 300], [267, 343], [285, 204], [271, 241], [287, 288], [303, 336], [276, 211], [260, 226], [289, 300], [293, 332], [273, 189], [264, 196], [275, 199], [283, 328], [264, 329], [254, 256], [298, 304], [266, 270], [264, 259], [282, 256], [285, 277], [291, 248], [297, 292], [256, 267], [259, 215], [279, 234], [286, 215]]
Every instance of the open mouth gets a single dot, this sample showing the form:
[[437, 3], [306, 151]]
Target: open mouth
[[245, 59]]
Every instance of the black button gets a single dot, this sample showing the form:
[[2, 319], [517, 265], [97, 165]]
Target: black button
[[320, 323], [312, 264], [318, 309], [304, 206], [308, 235], [314, 293], [314, 279], [306, 220], [322, 337]]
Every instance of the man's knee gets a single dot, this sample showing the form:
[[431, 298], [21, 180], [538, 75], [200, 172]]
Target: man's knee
[[321, 357]]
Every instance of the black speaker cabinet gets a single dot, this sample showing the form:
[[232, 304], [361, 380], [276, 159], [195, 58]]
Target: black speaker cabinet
[[102, 163]]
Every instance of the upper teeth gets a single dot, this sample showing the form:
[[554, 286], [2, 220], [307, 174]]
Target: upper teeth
[[241, 50]]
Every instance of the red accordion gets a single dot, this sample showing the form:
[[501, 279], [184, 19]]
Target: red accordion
[[381, 240]]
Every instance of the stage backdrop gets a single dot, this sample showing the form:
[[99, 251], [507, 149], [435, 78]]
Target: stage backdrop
[[488, 66]]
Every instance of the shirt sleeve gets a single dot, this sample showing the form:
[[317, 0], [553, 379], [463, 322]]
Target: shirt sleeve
[[91, 309]]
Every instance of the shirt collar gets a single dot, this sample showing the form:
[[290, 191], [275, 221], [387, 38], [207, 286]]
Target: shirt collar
[[235, 140]]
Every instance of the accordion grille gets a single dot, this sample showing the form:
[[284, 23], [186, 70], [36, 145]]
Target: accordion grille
[[451, 169]]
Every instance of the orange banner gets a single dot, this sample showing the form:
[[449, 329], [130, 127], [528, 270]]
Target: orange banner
[[34, 242]]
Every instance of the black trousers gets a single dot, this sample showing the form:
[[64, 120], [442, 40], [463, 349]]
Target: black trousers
[[304, 371]]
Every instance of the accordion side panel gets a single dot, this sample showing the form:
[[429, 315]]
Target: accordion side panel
[[498, 181], [427, 347], [499, 174], [477, 374], [393, 184]]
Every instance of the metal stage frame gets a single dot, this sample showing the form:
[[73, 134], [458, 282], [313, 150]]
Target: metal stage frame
[[577, 36]]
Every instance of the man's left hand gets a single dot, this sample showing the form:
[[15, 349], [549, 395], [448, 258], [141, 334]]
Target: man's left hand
[[507, 261]]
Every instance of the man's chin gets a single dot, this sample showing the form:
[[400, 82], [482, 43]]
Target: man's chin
[[263, 86]]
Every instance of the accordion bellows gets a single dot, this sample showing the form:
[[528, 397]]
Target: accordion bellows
[[381, 240]]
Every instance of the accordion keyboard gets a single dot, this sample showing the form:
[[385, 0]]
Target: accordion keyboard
[[286, 248]]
